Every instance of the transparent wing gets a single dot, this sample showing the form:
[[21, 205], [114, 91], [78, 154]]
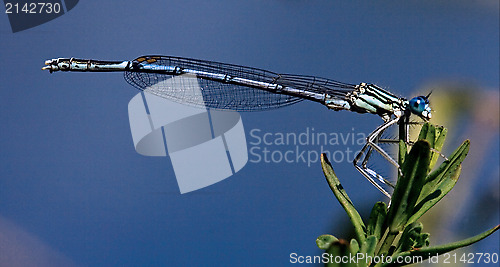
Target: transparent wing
[[220, 95]]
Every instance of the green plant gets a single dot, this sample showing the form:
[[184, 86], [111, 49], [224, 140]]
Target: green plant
[[392, 234]]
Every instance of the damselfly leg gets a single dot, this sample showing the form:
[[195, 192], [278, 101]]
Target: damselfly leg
[[372, 144], [362, 158]]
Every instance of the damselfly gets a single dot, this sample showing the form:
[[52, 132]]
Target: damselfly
[[227, 86]]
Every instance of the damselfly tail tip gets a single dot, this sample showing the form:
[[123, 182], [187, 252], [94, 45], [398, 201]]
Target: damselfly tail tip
[[47, 68], [51, 65]]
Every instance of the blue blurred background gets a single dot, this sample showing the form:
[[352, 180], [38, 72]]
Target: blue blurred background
[[73, 191]]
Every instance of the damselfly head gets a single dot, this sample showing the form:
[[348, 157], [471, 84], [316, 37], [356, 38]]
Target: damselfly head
[[420, 106]]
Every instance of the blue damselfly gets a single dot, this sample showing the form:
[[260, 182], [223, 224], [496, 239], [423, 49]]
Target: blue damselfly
[[228, 86]]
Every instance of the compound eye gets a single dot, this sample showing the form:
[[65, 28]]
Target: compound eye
[[418, 105]]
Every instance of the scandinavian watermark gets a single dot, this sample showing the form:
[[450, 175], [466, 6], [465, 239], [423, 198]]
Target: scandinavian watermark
[[304, 146]]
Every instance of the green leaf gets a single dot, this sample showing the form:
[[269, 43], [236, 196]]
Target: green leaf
[[440, 182], [412, 238], [376, 222], [366, 251], [436, 136], [427, 133], [325, 241], [369, 246], [354, 246], [427, 252], [403, 152], [441, 134], [406, 193], [409, 186], [424, 132], [344, 200], [341, 249]]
